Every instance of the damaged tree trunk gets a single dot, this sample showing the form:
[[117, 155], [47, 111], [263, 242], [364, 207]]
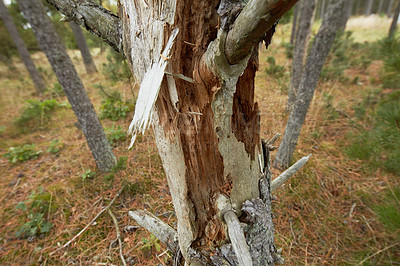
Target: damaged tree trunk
[[197, 91]]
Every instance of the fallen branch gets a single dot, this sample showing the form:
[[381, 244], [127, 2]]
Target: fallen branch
[[165, 233], [236, 235], [118, 236], [277, 182], [90, 223]]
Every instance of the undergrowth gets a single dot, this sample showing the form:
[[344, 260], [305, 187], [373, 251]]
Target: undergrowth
[[113, 107]]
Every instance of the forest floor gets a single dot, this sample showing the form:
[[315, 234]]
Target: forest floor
[[329, 213]]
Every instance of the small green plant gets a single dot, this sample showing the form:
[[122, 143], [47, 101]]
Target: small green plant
[[87, 175], [389, 211], [2, 129], [121, 164], [289, 48], [22, 153], [55, 146], [36, 207], [57, 90], [114, 108], [115, 134], [36, 113], [148, 244], [390, 48], [273, 69]]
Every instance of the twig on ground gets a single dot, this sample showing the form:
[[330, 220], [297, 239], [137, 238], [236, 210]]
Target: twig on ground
[[118, 236], [90, 223], [277, 182], [376, 253]]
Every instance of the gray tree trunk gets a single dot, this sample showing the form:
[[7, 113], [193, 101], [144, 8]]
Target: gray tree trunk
[[65, 71], [294, 24], [322, 10], [380, 7], [348, 15], [368, 9], [320, 49], [393, 25], [22, 50], [306, 18], [82, 45], [389, 8]]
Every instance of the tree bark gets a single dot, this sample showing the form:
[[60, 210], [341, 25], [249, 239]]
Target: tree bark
[[65, 71], [82, 45], [306, 18], [322, 11], [348, 15], [323, 41], [22, 50], [380, 7], [393, 25], [368, 10]]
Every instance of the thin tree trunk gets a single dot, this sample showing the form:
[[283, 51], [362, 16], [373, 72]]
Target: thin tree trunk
[[302, 37], [389, 8], [368, 10], [322, 11], [82, 45], [22, 50], [323, 41], [393, 26], [380, 7], [348, 15], [294, 24], [71, 83]]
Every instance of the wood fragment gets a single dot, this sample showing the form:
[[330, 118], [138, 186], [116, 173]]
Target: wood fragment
[[118, 236], [165, 233], [277, 182], [237, 238], [90, 223]]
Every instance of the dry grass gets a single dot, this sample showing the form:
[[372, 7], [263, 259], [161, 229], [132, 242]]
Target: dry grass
[[321, 215]]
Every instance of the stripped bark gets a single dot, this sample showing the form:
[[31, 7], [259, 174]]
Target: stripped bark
[[22, 50], [65, 71], [306, 19], [323, 41], [82, 45]]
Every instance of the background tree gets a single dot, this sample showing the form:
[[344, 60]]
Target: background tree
[[71, 83], [205, 120], [368, 8], [331, 23], [306, 18], [23, 51], [393, 25], [294, 24], [389, 8], [85, 52]]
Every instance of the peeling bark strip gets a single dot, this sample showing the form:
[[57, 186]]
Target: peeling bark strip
[[94, 18]]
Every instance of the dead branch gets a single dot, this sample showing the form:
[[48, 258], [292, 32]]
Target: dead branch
[[90, 223], [237, 238], [118, 236], [165, 233], [277, 182]]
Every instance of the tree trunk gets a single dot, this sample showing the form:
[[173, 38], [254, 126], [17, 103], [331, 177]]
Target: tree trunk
[[65, 71], [323, 41], [302, 37], [322, 10], [380, 7], [22, 50], [348, 15], [294, 24], [368, 10], [389, 8], [82, 45], [196, 62], [393, 26]]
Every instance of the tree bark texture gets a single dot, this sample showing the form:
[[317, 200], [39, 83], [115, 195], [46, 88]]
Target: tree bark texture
[[22, 50], [368, 9], [65, 71], [393, 25], [306, 19], [314, 63], [94, 18], [82, 45]]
